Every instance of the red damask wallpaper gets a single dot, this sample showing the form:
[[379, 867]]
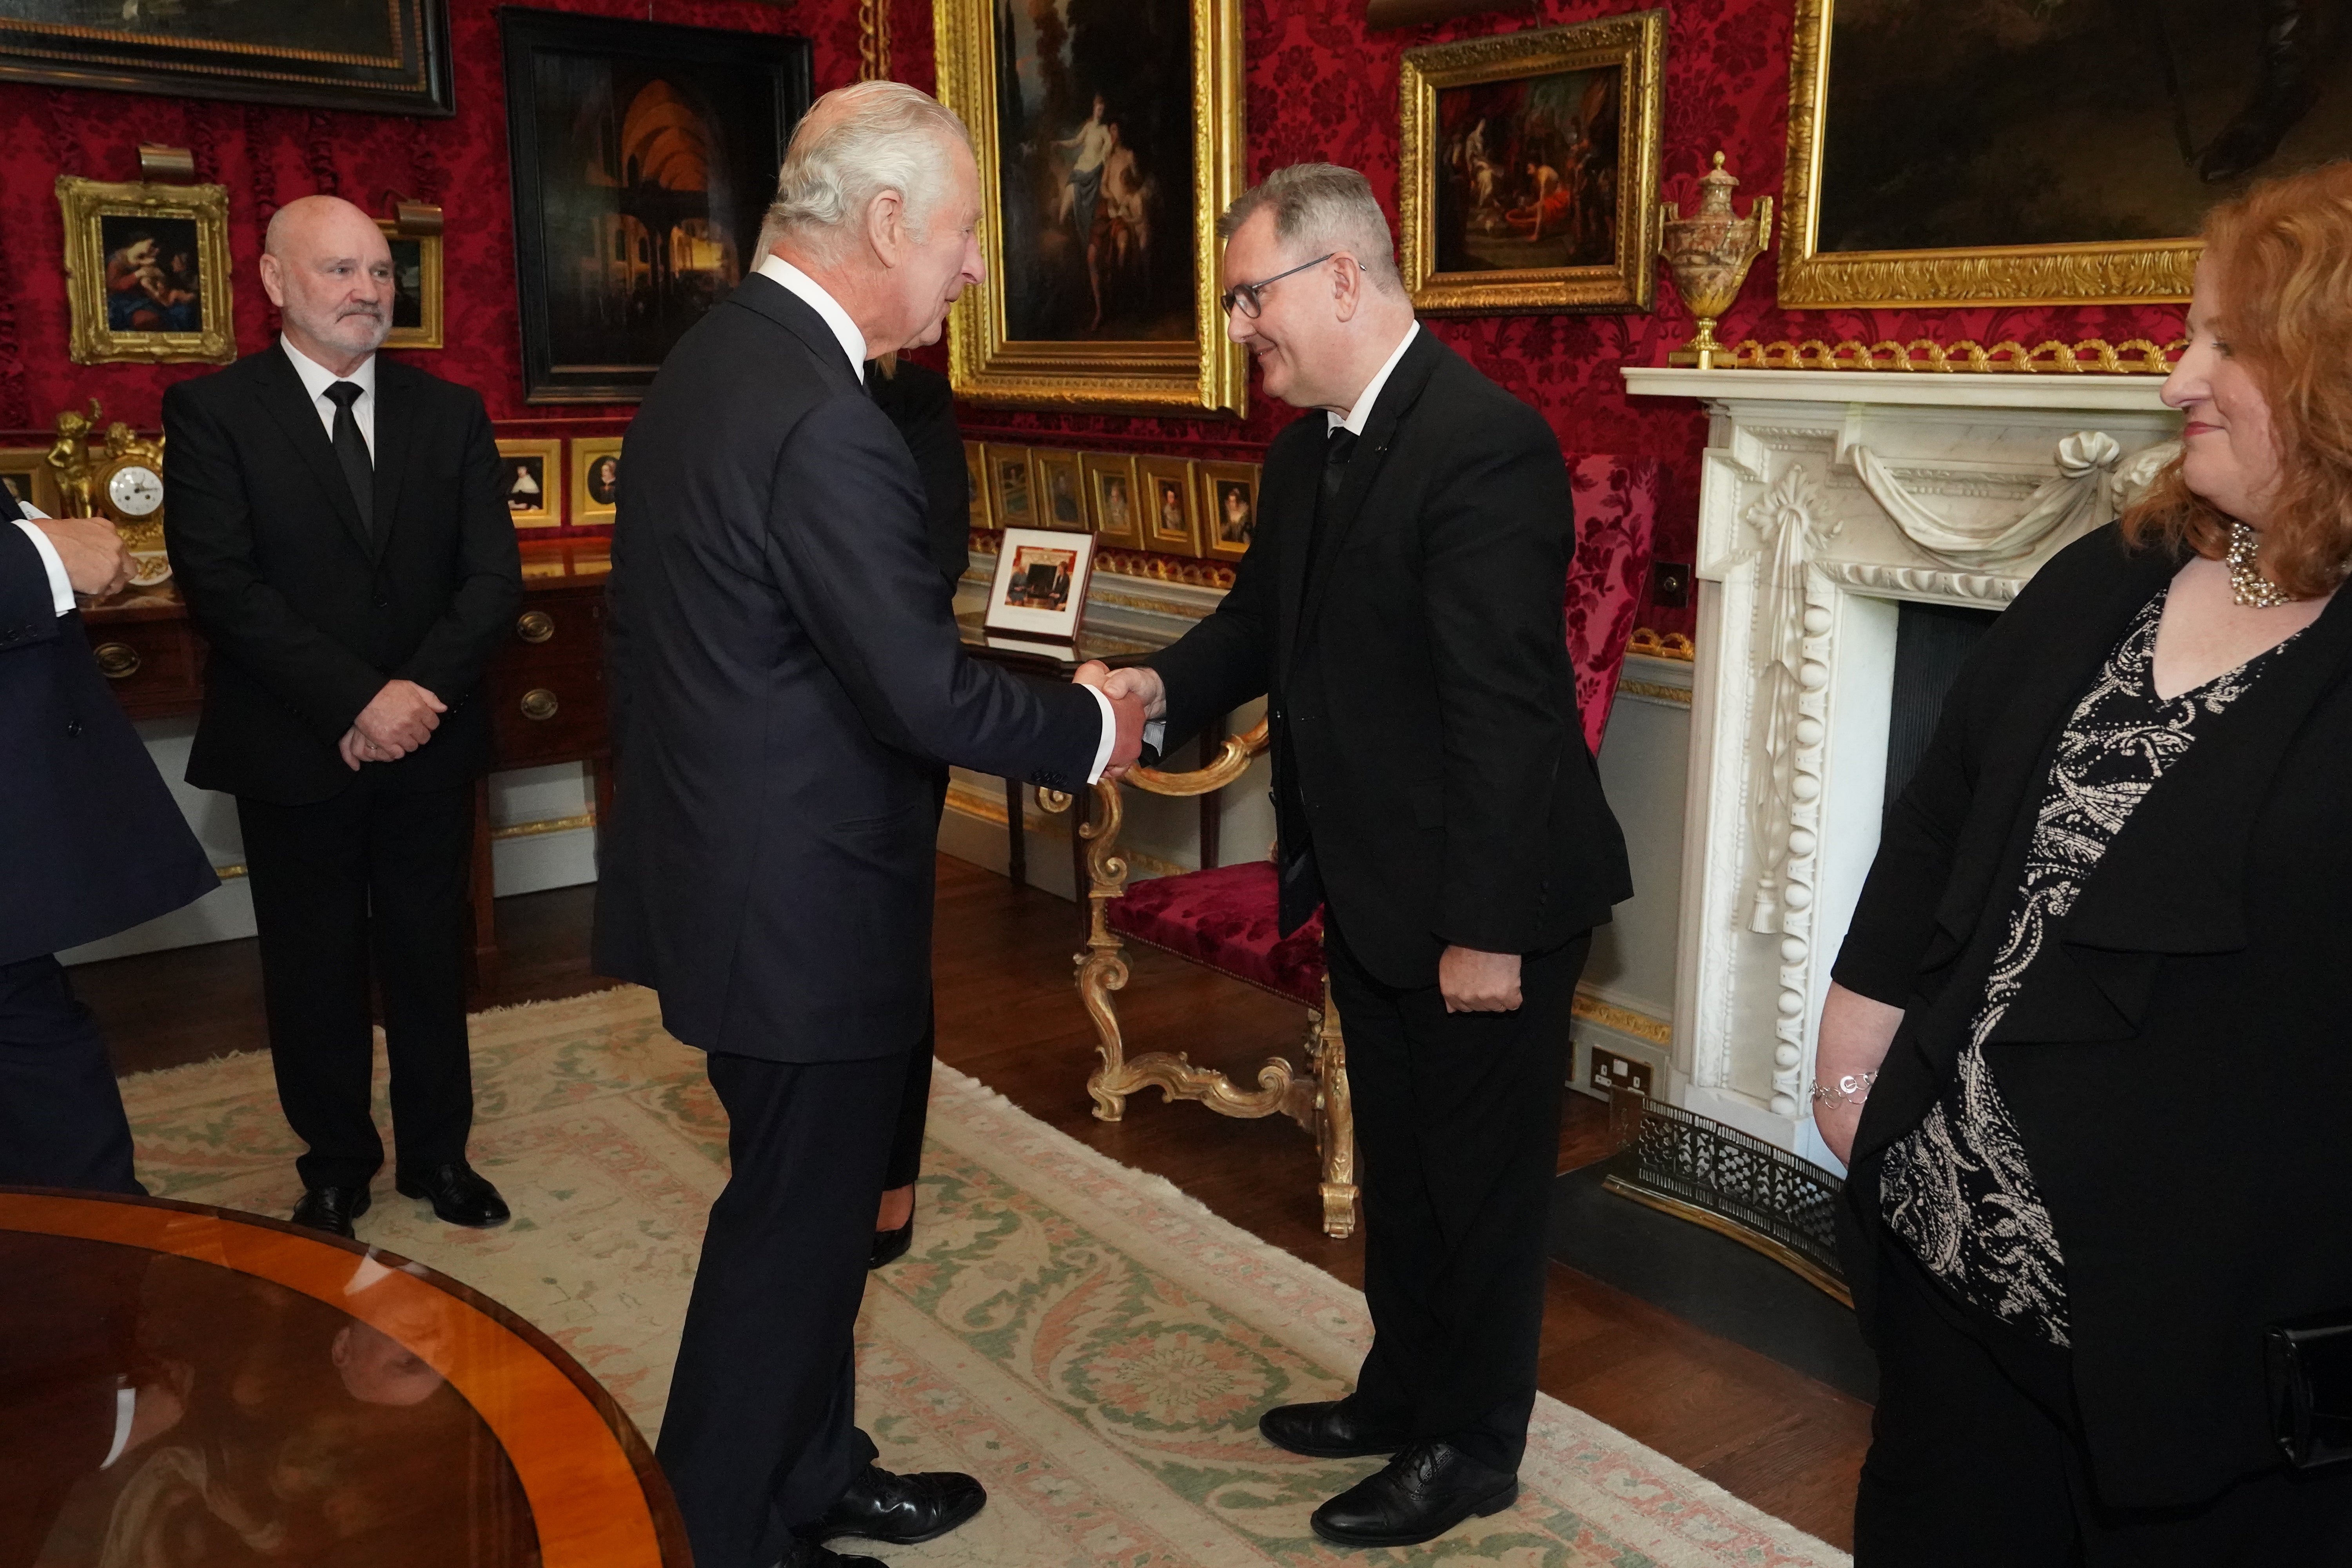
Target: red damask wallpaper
[[1321, 86]]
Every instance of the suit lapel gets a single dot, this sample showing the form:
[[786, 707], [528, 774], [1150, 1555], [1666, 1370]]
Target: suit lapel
[[394, 419], [1292, 472], [283, 397], [1403, 389], [764, 296]]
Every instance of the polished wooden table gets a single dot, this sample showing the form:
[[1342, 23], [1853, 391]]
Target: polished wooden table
[[317, 1401]]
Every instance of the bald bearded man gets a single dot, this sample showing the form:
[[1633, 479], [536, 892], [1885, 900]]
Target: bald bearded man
[[338, 525]]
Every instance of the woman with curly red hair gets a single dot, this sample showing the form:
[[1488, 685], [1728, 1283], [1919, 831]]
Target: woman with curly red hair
[[2086, 1054]]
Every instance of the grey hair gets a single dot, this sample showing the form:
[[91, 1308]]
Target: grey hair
[[1318, 208], [855, 143]]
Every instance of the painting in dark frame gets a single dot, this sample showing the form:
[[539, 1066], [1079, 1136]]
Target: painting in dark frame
[[384, 56], [644, 157]]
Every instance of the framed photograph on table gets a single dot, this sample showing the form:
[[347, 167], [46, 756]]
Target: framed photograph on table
[[147, 273], [1527, 178], [1112, 509], [595, 481], [1009, 493], [644, 158], [27, 476], [1228, 510], [534, 482], [1172, 518], [1039, 592], [415, 288], [975, 475], [1059, 484]]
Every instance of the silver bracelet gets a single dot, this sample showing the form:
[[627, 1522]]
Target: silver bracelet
[[1850, 1090]]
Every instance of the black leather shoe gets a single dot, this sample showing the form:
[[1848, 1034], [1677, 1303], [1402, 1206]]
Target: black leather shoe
[[1425, 1492], [459, 1196], [331, 1209], [1326, 1431], [809, 1555], [889, 1245], [900, 1510]]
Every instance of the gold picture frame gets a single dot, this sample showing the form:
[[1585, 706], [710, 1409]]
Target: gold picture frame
[[1206, 372], [147, 273], [975, 474], [1228, 509], [1114, 505], [595, 488], [27, 473], [1057, 482], [534, 467], [1012, 493], [1171, 510], [2157, 270], [416, 256], [1455, 207]]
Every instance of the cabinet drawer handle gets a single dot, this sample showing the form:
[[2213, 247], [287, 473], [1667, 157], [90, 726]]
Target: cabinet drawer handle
[[116, 661], [538, 704], [535, 626]]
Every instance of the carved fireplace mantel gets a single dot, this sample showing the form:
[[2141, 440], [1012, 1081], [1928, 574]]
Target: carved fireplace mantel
[[1828, 498]]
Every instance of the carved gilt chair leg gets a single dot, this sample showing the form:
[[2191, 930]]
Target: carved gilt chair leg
[[1102, 967], [1335, 1119]]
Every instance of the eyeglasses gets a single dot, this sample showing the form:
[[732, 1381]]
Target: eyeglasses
[[1245, 295]]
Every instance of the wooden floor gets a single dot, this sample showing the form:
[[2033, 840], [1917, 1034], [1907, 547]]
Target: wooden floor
[[1009, 1015]]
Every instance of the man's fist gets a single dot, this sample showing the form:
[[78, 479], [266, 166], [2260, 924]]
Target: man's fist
[[96, 561], [399, 719], [1127, 741], [1475, 982]]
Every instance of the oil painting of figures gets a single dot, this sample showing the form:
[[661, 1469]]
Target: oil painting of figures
[[1529, 170]]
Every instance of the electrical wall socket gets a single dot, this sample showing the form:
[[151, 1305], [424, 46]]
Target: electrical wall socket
[[1611, 1071]]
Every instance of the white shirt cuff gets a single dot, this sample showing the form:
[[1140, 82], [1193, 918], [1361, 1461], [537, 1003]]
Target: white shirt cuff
[[1109, 736], [61, 585], [1155, 736]]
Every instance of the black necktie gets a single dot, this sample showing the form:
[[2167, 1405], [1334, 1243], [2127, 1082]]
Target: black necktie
[[352, 451], [1338, 447]]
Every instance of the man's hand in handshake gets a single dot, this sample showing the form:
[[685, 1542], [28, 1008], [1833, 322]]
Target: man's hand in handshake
[[96, 560], [1137, 697], [399, 719]]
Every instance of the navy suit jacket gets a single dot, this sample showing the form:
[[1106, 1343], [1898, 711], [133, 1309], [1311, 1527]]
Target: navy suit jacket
[[786, 677], [91, 842]]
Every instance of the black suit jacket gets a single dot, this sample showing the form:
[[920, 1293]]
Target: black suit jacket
[[920, 403], [307, 616], [93, 842], [1426, 741], [785, 678], [2176, 1058]]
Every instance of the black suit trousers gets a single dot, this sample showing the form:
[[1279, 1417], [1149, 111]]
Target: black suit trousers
[[372, 878], [1458, 1118], [61, 1121], [761, 1437]]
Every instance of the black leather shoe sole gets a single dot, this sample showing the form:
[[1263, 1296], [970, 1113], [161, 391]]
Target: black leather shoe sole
[[1422, 1530], [1281, 1435], [955, 1519], [889, 1245]]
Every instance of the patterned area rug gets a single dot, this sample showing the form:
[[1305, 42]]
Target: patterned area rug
[[1091, 1343]]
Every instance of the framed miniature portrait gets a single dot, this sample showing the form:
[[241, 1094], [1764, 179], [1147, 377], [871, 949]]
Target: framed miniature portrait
[[1009, 490], [1171, 523], [1059, 486], [595, 481], [1039, 592], [415, 288], [27, 474], [1228, 509], [975, 474], [534, 482], [1112, 509], [147, 273]]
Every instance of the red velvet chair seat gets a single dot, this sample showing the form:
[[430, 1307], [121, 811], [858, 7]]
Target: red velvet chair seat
[[1224, 918]]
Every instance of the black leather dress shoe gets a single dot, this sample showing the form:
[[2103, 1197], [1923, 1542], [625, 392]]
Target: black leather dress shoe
[[810, 1554], [331, 1209], [1326, 1431], [1425, 1492], [459, 1196], [901, 1510], [889, 1245]]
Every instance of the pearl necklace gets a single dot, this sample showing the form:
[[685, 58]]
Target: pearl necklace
[[2248, 586]]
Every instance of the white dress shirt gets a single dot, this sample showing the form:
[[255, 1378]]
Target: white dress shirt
[[317, 378], [812, 293], [61, 594], [1354, 420]]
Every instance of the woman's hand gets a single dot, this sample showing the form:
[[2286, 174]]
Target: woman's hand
[[1854, 1034]]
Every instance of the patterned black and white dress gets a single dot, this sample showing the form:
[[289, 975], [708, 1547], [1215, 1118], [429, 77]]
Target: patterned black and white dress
[[1957, 1188]]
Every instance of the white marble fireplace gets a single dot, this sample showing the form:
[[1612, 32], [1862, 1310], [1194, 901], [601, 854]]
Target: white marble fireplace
[[1828, 498]]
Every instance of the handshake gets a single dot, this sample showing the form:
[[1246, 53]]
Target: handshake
[[1137, 697]]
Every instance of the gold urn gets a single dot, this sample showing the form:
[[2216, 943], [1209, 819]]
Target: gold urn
[[1709, 253]]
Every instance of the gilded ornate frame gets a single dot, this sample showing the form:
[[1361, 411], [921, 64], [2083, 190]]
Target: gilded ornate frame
[[1636, 44], [426, 333], [2091, 274], [1209, 373], [86, 205]]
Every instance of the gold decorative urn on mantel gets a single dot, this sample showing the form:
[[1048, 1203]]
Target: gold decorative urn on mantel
[[1709, 253]]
